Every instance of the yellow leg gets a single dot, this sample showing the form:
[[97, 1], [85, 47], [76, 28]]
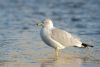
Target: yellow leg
[[56, 53]]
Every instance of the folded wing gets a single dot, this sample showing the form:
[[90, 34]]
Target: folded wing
[[64, 38]]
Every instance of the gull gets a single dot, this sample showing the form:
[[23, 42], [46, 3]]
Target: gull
[[57, 38]]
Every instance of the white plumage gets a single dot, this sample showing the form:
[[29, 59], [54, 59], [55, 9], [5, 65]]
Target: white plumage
[[57, 38]]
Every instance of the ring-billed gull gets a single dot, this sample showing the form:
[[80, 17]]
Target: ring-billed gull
[[57, 38]]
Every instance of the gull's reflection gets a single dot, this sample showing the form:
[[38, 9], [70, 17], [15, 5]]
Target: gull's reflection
[[62, 61]]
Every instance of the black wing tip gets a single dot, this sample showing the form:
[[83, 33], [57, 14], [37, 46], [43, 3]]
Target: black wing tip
[[86, 45]]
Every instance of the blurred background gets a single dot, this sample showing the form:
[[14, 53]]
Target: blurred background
[[20, 42]]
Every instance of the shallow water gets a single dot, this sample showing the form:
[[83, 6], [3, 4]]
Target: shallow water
[[20, 42]]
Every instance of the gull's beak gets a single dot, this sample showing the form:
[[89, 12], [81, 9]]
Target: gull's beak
[[39, 24]]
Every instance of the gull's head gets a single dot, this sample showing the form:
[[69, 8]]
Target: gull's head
[[47, 23]]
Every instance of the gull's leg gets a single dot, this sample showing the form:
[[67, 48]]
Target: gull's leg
[[56, 53]]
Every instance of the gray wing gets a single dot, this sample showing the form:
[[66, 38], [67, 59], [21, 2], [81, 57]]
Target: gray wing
[[64, 38]]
